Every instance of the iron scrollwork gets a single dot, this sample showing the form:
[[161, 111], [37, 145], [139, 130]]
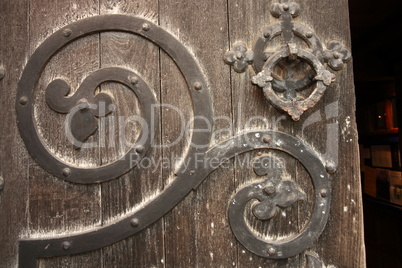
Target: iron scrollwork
[[283, 92], [271, 192]]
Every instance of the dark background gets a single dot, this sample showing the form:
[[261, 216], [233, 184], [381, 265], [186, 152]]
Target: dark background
[[376, 31]]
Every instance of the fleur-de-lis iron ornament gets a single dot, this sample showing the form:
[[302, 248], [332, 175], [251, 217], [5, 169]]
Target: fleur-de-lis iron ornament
[[276, 192], [283, 92]]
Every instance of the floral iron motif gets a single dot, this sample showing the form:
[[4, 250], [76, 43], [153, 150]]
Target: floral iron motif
[[276, 192], [283, 92]]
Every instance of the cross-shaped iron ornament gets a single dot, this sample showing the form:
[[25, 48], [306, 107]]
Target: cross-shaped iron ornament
[[283, 92]]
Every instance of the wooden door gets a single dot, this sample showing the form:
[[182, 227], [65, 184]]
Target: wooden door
[[178, 134]]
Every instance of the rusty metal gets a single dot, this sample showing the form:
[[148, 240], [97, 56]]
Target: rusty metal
[[57, 90], [266, 206], [270, 191], [32, 249], [274, 191], [283, 92], [191, 178]]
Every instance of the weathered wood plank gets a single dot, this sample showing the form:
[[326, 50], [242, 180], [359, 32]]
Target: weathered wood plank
[[121, 195], [13, 158], [335, 112], [341, 243], [55, 206], [251, 111], [197, 233]]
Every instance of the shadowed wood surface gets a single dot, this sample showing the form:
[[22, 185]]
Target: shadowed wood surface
[[196, 233]]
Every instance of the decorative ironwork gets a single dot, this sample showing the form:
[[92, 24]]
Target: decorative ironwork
[[275, 192], [190, 178], [265, 209], [272, 191], [83, 123], [282, 92]]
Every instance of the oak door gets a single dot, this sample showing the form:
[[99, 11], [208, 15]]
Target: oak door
[[189, 133]]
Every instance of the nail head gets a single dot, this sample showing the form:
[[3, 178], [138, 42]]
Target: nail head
[[23, 100], [65, 245], [197, 86], [66, 172], [330, 167], [135, 222], [67, 32], [146, 27]]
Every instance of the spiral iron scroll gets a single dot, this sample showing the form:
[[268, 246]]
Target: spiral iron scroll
[[31, 249]]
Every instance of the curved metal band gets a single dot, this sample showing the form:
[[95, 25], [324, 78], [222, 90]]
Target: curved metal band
[[275, 29], [295, 109], [319, 217], [31, 249], [182, 57]]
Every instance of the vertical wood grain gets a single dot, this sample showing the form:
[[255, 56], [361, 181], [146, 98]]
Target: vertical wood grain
[[197, 233], [55, 206], [13, 157], [121, 195]]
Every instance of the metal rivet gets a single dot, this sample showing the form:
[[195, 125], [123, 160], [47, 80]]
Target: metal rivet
[[324, 192], [134, 80], [139, 149], [23, 100], [266, 139], [259, 153], [146, 27], [270, 188], [135, 222], [330, 167], [1, 183], [66, 172], [239, 55], [271, 251], [67, 32], [336, 55], [285, 7], [309, 34], [65, 245], [2, 73], [267, 35], [83, 104], [192, 172], [197, 86]]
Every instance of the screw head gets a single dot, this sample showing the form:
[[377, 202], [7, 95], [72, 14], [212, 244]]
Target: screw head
[[65, 245], [67, 32], [271, 251], [197, 86], [2, 73], [330, 167], [146, 27], [266, 139], [23, 100], [66, 172], [135, 222], [309, 34]]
